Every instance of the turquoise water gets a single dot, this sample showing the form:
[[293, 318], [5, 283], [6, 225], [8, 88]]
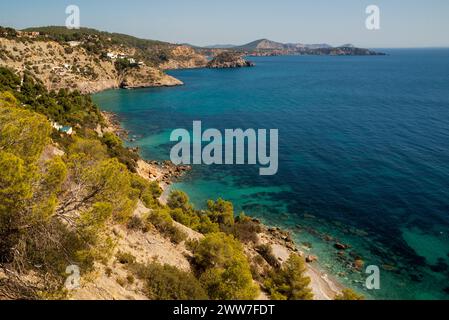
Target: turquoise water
[[364, 156]]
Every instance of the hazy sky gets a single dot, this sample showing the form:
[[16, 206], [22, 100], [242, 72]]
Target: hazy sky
[[404, 23]]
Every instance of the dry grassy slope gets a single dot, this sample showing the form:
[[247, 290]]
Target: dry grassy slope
[[145, 247], [58, 68]]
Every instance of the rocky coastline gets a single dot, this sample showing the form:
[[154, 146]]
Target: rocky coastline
[[163, 172]]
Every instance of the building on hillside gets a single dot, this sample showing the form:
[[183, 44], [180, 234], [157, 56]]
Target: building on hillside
[[74, 43], [23, 34], [111, 55], [64, 129], [67, 130]]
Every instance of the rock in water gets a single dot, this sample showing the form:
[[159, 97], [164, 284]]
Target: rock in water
[[229, 60]]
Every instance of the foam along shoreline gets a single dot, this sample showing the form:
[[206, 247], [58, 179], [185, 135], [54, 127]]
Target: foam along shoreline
[[324, 287]]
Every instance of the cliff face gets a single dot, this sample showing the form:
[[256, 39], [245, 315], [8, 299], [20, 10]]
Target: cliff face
[[229, 60], [61, 66], [184, 57]]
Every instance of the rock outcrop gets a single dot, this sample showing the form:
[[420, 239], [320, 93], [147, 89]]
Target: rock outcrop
[[143, 77], [229, 60]]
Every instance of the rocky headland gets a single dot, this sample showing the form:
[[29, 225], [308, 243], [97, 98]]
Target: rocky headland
[[229, 60]]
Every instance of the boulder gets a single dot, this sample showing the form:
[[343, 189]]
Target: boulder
[[341, 246], [311, 258]]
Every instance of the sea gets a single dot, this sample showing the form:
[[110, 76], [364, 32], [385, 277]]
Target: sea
[[363, 157]]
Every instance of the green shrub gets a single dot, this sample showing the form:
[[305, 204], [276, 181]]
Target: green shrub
[[179, 200], [164, 282], [224, 269], [118, 150], [163, 222], [149, 192], [290, 282], [221, 212]]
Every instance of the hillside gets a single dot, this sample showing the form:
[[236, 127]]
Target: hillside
[[88, 60], [262, 44], [267, 47]]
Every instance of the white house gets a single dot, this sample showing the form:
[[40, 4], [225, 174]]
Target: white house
[[111, 55], [74, 43], [56, 126]]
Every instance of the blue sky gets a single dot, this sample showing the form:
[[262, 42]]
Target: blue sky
[[404, 23]]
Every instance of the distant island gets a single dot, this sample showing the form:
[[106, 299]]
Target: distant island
[[265, 47]]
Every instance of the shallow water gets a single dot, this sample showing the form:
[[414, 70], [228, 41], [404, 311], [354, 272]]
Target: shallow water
[[364, 154]]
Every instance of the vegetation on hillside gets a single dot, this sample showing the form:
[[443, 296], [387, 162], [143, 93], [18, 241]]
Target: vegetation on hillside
[[55, 209], [164, 282], [66, 108], [223, 268], [97, 42], [289, 282]]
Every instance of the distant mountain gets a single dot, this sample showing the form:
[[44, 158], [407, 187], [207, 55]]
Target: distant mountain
[[265, 44], [262, 44]]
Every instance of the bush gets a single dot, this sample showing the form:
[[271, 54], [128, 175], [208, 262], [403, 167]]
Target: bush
[[289, 282], [125, 258], [149, 192], [164, 282], [179, 200], [183, 212], [136, 223], [189, 218], [224, 269], [221, 212], [118, 150], [163, 222]]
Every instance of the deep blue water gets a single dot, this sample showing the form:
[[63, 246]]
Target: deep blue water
[[364, 155]]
